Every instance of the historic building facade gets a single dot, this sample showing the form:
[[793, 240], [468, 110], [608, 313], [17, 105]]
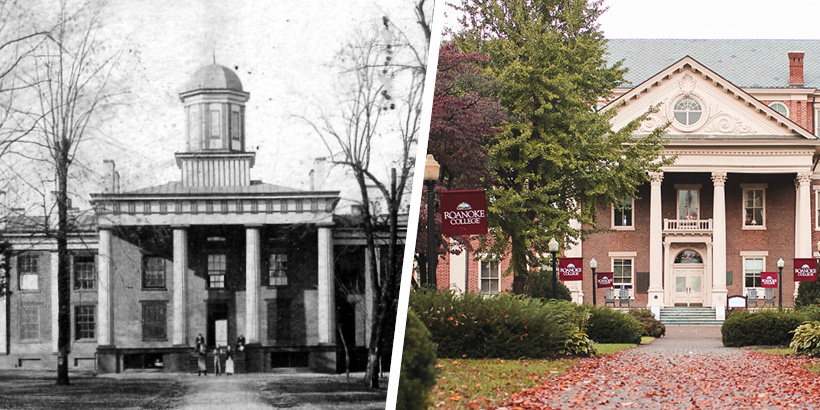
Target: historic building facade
[[215, 253], [742, 191]]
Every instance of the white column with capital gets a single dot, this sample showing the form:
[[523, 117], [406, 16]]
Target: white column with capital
[[802, 219], [180, 302], [252, 278], [719, 290], [656, 299], [105, 290], [326, 286]]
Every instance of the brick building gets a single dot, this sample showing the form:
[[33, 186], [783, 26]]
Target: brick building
[[215, 253], [742, 191]]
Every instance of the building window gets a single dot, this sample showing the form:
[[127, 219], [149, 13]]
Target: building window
[[688, 256], [751, 272], [153, 272], [215, 140], [84, 323], [29, 323], [28, 269], [154, 320], [817, 210], [236, 129], [754, 201], [278, 269], [622, 272], [780, 108], [622, 213], [687, 111], [688, 204], [216, 271], [84, 272], [490, 277]]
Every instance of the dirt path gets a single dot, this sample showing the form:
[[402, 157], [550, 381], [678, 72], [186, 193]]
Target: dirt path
[[687, 369], [224, 393]]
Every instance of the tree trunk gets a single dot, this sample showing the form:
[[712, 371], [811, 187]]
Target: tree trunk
[[63, 272], [518, 261]]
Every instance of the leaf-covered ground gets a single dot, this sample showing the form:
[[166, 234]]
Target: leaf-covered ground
[[651, 378]]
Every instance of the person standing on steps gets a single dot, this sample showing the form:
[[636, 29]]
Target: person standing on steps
[[228, 360], [217, 360], [200, 361], [240, 343], [199, 340]]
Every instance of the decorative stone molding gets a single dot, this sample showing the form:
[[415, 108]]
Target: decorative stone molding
[[657, 177], [726, 124], [768, 153], [687, 84], [804, 177], [719, 178]]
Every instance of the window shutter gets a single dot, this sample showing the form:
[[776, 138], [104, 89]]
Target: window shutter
[[642, 282], [728, 277]]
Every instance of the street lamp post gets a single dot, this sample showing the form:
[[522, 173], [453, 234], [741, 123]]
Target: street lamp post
[[431, 168], [593, 264], [780, 265], [554, 250]]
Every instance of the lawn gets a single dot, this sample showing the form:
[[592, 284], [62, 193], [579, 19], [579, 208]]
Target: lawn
[[334, 392], [37, 390]]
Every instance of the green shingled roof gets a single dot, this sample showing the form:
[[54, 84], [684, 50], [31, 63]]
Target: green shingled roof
[[746, 63]]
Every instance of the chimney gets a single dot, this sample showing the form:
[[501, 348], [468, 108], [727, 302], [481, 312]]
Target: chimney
[[796, 68], [112, 178], [318, 174]]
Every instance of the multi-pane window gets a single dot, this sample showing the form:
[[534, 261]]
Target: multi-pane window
[[84, 272], [753, 207], [687, 111], [216, 271], [622, 273], [780, 108], [278, 269], [236, 129], [29, 323], [27, 267], [687, 204], [154, 320], [751, 272], [84, 323], [153, 272], [622, 212], [490, 277], [216, 128]]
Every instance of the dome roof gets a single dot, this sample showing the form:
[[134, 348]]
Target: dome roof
[[214, 76]]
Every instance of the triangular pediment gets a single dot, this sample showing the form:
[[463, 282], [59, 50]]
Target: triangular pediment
[[726, 112]]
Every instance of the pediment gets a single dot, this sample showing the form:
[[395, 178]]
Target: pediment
[[725, 110]]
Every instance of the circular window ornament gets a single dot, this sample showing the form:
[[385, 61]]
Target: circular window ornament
[[687, 111], [780, 108]]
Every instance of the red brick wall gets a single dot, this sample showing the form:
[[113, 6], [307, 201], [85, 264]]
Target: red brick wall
[[801, 112], [443, 272]]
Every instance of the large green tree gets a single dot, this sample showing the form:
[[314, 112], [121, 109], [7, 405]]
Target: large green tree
[[556, 157]]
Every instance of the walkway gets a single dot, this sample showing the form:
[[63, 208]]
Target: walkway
[[224, 393], [687, 369]]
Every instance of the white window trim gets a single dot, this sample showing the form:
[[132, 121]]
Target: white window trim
[[752, 187], [612, 218], [753, 255], [817, 207], [686, 187], [631, 258], [481, 277], [771, 105]]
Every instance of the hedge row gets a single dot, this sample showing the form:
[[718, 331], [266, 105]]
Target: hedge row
[[607, 325], [762, 328]]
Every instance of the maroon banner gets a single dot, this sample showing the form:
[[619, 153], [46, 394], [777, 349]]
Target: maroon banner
[[768, 279], [805, 270], [605, 279], [571, 269], [463, 213]]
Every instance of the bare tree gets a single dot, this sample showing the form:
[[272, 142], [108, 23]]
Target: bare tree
[[380, 110], [70, 82]]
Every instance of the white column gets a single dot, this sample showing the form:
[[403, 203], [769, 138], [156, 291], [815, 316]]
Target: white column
[[656, 299], [180, 286], [325, 285], [802, 220], [252, 279], [105, 291], [719, 290], [55, 308]]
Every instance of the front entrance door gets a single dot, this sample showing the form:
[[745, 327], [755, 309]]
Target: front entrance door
[[217, 324], [688, 285]]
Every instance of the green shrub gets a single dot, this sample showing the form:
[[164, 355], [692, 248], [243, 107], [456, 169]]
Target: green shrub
[[579, 344], [501, 326], [812, 312], [607, 325], [652, 327], [808, 294], [418, 366], [540, 286], [806, 338], [763, 328]]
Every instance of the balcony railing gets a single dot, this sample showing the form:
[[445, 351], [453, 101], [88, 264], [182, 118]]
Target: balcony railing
[[687, 225]]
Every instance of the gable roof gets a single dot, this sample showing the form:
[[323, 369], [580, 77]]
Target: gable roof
[[717, 80], [746, 63]]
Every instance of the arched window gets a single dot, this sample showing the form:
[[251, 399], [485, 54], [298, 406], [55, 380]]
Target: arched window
[[687, 111], [688, 256], [781, 108]]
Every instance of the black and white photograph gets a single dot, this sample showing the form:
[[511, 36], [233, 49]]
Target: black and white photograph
[[204, 204]]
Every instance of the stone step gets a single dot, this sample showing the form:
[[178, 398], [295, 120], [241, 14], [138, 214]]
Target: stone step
[[689, 316]]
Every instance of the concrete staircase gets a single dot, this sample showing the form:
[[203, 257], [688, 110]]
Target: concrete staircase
[[238, 362], [689, 316]]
